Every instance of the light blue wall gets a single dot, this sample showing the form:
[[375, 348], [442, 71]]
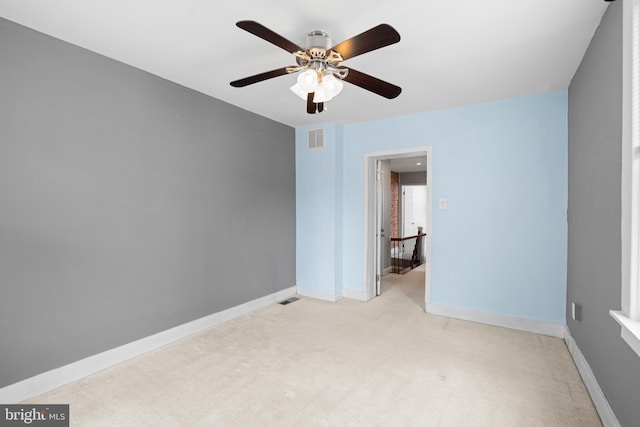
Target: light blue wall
[[499, 247], [319, 212]]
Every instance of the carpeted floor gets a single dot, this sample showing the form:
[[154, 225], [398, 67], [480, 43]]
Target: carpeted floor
[[317, 363]]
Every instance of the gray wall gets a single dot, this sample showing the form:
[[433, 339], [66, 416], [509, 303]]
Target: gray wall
[[595, 99], [412, 178], [128, 204]]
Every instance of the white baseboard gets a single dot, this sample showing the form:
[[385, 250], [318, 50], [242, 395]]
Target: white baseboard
[[387, 271], [319, 295], [521, 324], [357, 295], [54, 378], [605, 412]]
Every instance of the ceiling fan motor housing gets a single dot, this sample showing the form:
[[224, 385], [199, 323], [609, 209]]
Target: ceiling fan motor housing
[[317, 39], [318, 54]]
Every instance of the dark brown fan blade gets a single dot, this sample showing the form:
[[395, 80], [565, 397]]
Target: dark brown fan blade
[[375, 38], [373, 84], [259, 77], [320, 107], [266, 34], [311, 106]]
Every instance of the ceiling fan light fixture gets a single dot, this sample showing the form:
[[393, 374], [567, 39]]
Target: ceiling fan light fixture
[[321, 95], [328, 89], [332, 85], [308, 80], [319, 66], [298, 91]]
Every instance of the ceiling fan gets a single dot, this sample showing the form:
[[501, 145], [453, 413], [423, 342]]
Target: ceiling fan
[[318, 63]]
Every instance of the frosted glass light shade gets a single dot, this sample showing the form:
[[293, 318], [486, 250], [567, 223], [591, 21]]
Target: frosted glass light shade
[[298, 91], [329, 88], [308, 81], [332, 85], [321, 94]]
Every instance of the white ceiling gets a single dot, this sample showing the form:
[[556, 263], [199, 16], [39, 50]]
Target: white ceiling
[[409, 164], [451, 52]]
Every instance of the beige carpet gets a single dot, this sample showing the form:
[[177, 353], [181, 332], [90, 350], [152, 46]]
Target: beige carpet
[[316, 363]]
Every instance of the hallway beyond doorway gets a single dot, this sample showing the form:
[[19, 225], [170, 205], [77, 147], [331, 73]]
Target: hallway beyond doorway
[[405, 287]]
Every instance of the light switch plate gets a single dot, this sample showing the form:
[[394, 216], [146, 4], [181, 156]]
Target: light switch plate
[[442, 203]]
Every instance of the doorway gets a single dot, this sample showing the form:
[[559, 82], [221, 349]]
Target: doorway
[[376, 235], [412, 214]]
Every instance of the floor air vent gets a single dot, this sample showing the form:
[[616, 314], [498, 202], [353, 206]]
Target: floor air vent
[[289, 301], [316, 139]]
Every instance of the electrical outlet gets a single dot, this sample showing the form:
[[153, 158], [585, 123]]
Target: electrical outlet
[[576, 311]]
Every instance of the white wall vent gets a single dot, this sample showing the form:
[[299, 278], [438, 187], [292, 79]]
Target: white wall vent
[[316, 139]]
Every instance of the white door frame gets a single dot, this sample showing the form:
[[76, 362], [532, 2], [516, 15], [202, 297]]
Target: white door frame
[[379, 197], [370, 239]]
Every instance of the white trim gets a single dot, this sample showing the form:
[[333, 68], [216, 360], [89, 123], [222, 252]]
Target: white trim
[[319, 295], [519, 323], [368, 273], [378, 226], [429, 229], [368, 266], [54, 378], [631, 160], [629, 330], [634, 291], [356, 295], [607, 416], [629, 315]]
